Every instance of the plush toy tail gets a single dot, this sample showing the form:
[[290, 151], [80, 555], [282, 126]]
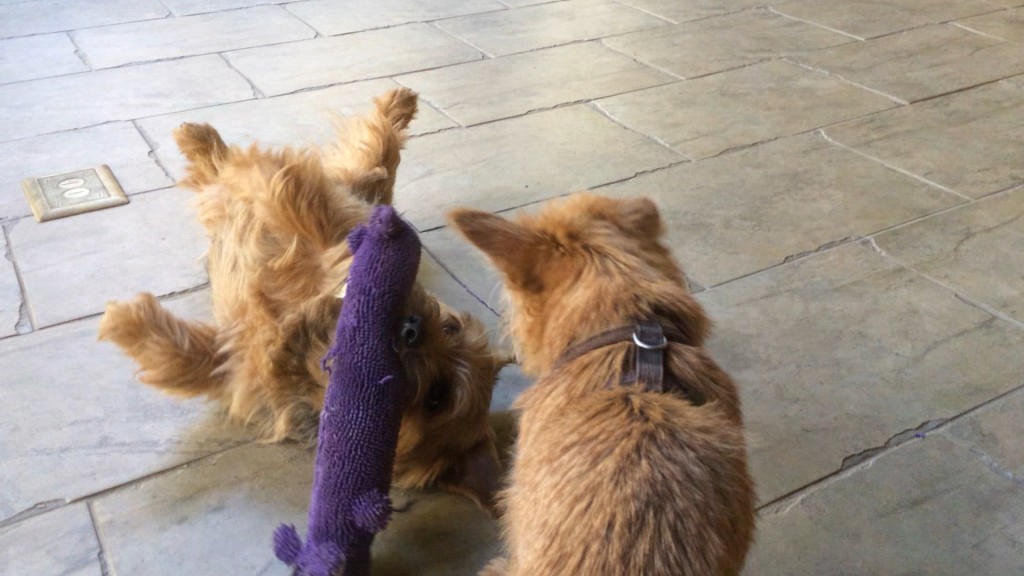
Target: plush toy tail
[[174, 355]]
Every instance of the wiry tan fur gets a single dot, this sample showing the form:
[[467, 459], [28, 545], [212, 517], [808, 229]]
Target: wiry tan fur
[[608, 479], [277, 223]]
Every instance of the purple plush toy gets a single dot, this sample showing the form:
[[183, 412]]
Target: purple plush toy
[[362, 408]]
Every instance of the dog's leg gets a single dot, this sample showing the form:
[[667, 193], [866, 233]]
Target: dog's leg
[[368, 150], [204, 149], [174, 355]]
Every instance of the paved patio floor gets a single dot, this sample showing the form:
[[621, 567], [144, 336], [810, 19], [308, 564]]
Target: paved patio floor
[[843, 180]]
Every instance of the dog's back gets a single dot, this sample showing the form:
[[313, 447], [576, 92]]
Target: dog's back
[[639, 482]]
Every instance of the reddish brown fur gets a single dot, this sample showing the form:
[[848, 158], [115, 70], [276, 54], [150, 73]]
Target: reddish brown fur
[[277, 223], [612, 480]]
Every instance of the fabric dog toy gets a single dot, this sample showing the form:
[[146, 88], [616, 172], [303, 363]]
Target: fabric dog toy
[[362, 408]]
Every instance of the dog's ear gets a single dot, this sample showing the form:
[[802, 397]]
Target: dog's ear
[[510, 246], [479, 478], [640, 215]]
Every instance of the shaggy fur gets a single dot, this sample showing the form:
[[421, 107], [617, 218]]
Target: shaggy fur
[[609, 479], [277, 223]]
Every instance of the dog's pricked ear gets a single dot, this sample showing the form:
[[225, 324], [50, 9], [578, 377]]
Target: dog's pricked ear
[[510, 246], [640, 214]]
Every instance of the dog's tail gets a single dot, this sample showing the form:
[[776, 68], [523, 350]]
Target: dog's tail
[[368, 149], [174, 355], [204, 149]]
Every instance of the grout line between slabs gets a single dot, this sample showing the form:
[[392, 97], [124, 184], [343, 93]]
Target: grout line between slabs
[[429, 102], [815, 24], [665, 19], [978, 32], [152, 152], [948, 288], [459, 280], [596, 106], [433, 24], [829, 139], [257, 93], [105, 569], [79, 53], [791, 59]]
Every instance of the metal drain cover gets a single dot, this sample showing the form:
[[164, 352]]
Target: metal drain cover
[[73, 193]]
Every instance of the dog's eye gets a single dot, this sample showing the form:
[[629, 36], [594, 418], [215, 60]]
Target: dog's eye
[[437, 397], [450, 327]]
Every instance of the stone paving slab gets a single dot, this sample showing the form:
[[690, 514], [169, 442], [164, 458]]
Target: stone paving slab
[[922, 63], [826, 373], [467, 264], [10, 294], [677, 12], [741, 107], [872, 18], [974, 249], [499, 88], [78, 423], [433, 276], [27, 18], [993, 434], [72, 266], [1007, 25], [519, 3], [166, 525], [970, 142], [739, 213], [190, 7], [111, 46], [116, 144], [930, 507], [81, 100], [766, 169], [39, 56], [331, 18], [499, 165], [512, 31], [293, 120], [162, 526], [326, 61], [59, 542], [695, 49]]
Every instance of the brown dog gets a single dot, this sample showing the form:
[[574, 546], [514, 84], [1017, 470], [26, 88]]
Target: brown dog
[[277, 223], [630, 457]]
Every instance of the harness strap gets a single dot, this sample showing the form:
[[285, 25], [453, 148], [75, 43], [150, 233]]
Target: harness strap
[[650, 339]]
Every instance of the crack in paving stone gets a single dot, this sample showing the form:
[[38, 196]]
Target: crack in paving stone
[[896, 440], [35, 510], [822, 248], [24, 323]]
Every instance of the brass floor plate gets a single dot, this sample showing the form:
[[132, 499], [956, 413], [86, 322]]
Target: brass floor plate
[[73, 193]]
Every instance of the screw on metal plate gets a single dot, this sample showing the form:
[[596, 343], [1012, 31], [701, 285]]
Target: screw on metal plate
[[73, 193]]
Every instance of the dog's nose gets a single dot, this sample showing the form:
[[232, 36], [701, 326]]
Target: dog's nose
[[412, 331]]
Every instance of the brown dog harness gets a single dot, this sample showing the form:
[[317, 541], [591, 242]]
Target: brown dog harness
[[650, 338]]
